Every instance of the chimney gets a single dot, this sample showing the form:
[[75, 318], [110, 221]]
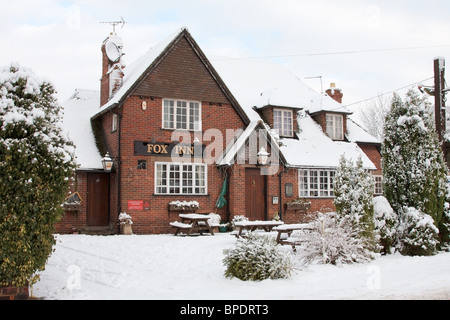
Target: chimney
[[335, 93], [112, 67]]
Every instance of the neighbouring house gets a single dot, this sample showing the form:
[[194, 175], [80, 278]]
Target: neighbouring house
[[180, 127]]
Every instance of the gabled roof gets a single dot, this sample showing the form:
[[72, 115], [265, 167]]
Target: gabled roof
[[141, 68], [233, 150]]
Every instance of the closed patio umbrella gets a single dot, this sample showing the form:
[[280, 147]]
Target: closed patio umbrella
[[221, 201]]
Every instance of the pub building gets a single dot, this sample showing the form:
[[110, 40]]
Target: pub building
[[177, 126]]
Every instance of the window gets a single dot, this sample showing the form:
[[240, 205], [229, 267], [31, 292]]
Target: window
[[378, 185], [114, 122], [180, 114], [335, 126], [180, 178], [282, 122], [316, 183]]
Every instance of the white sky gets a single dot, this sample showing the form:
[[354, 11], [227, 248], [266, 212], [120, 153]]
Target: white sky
[[61, 40]]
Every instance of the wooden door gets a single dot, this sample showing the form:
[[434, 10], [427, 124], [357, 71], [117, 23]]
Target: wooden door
[[255, 205], [98, 200]]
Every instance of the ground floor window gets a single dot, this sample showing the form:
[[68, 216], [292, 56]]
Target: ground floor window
[[180, 178], [316, 183], [378, 185]]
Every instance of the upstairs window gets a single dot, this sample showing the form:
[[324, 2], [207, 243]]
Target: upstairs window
[[282, 122], [181, 114], [335, 126]]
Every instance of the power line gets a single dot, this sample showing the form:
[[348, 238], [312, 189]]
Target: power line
[[383, 94], [337, 52]]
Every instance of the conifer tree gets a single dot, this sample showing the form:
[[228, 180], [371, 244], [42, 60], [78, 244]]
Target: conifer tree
[[413, 166], [353, 190], [36, 161]]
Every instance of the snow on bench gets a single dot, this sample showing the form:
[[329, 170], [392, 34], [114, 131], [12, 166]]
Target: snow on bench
[[181, 225]]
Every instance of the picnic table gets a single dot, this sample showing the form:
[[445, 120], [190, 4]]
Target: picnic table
[[244, 226], [193, 221], [285, 232]]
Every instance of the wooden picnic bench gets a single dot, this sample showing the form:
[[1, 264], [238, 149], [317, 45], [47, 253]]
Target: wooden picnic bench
[[285, 232], [193, 221], [244, 226]]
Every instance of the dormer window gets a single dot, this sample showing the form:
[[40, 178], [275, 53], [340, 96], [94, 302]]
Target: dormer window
[[283, 122], [335, 126]]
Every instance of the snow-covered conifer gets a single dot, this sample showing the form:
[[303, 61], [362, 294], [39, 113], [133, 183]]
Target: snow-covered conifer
[[353, 190], [413, 166], [36, 161]]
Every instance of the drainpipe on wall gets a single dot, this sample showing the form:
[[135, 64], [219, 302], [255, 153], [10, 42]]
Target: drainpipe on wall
[[119, 163]]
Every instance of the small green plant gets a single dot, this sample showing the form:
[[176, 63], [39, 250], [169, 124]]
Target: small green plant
[[257, 258]]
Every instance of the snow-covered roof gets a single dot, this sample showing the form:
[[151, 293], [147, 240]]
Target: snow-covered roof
[[77, 124], [314, 149], [355, 133], [258, 83]]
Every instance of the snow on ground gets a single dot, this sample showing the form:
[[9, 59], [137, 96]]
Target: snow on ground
[[165, 267]]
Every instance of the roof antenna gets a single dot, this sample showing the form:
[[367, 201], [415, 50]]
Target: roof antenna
[[114, 24]]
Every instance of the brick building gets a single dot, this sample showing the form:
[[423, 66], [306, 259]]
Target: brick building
[[177, 124]]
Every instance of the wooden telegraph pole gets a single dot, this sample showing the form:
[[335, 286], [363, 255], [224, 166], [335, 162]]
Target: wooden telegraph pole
[[439, 98]]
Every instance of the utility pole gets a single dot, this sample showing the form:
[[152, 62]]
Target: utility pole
[[439, 102]]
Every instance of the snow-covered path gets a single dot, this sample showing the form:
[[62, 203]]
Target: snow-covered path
[[168, 268]]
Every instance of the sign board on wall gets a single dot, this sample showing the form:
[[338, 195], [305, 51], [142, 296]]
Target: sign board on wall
[[136, 205], [167, 149]]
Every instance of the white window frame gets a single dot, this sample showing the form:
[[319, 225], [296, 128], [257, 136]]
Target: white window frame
[[178, 179], [335, 127], [181, 109], [316, 183], [377, 185], [285, 129]]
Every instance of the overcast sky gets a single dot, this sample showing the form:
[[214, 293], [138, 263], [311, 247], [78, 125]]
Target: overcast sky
[[366, 47]]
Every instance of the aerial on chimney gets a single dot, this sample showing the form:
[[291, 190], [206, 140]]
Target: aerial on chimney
[[112, 64]]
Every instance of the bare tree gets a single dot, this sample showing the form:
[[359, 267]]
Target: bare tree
[[373, 116]]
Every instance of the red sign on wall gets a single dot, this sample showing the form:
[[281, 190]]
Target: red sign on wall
[[137, 205]]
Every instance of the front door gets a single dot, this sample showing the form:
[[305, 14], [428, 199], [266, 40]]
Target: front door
[[98, 200], [255, 206]]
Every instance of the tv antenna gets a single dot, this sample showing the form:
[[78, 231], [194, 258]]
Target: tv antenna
[[115, 23]]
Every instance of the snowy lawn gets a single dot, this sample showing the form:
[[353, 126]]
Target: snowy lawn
[[190, 268]]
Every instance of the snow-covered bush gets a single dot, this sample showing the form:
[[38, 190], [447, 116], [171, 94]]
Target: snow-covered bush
[[36, 162], [333, 241], [386, 223], [417, 233], [256, 258]]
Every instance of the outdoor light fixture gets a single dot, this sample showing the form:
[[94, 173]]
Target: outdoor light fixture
[[107, 162], [263, 156]]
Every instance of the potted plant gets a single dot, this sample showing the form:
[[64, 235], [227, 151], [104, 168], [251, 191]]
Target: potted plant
[[125, 222]]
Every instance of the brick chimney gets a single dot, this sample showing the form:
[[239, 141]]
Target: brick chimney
[[112, 67], [335, 93]]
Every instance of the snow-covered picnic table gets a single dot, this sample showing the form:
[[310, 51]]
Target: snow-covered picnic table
[[285, 232], [193, 221], [244, 226]]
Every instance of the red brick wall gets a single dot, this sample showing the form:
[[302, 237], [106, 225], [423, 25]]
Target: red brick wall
[[374, 155], [13, 293]]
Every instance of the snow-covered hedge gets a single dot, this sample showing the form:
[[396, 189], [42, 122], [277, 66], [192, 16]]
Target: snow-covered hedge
[[256, 258]]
